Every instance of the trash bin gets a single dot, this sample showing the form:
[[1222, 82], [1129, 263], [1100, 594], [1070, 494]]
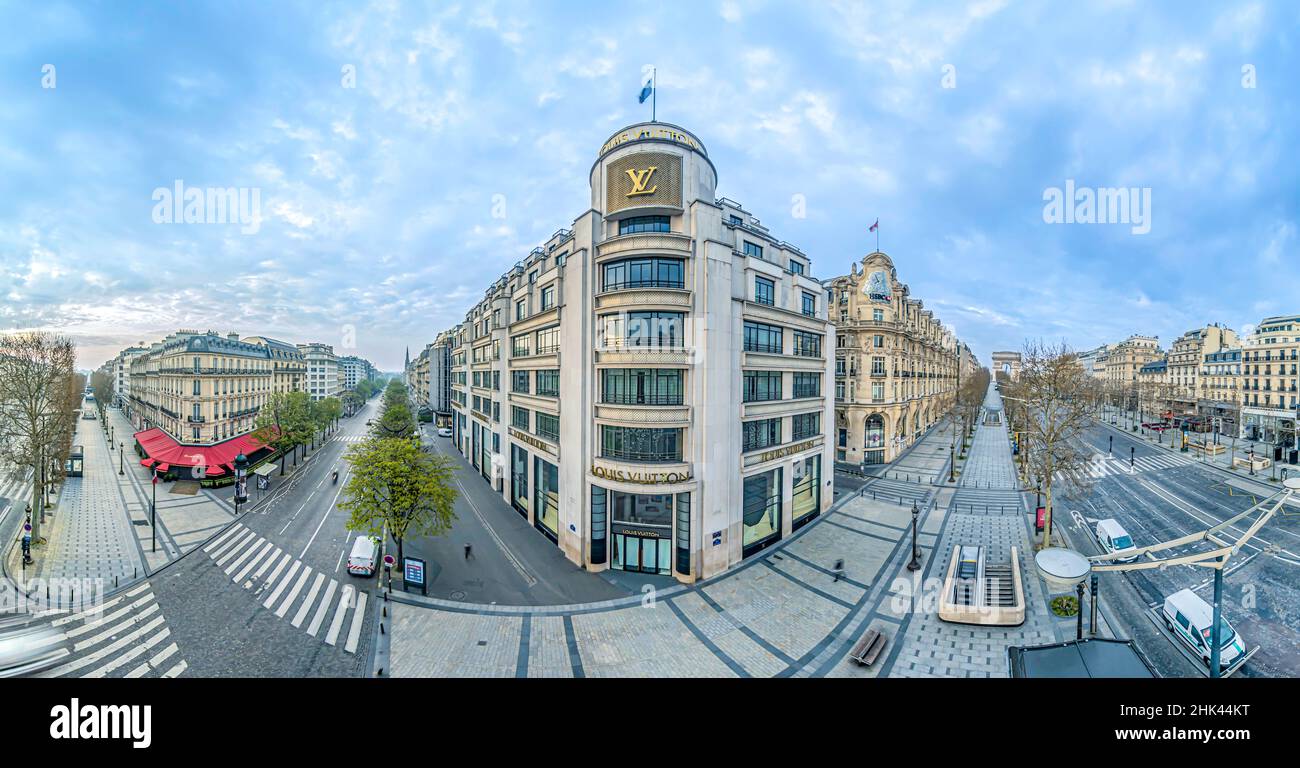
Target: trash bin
[[1277, 453], [1294, 457]]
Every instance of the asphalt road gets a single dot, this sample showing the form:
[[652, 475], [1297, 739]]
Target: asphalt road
[[1165, 496]]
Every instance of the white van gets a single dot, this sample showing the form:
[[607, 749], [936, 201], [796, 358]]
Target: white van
[[365, 551], [1190, 618], [1114, 538]]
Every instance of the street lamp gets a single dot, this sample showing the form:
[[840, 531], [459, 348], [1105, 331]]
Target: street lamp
[[915, 564], [241, 481], [120, 469]]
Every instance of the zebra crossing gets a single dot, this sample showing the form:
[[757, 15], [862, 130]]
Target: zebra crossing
[[352, 438], [309, 600], [1102, 465], [126, 636]]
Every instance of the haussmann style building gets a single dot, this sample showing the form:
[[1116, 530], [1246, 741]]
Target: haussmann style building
[[650, 387]]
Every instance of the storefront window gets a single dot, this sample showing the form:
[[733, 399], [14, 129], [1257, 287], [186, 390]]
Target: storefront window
[[683, 533], [762, 510], [807, 491], [642, 526], [598, 517], [546, 497], [519, 479]]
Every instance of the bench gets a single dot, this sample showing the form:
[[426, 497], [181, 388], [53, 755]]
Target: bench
[[868, 648]]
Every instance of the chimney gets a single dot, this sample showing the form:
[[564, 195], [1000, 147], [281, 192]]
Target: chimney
[[232, 336]]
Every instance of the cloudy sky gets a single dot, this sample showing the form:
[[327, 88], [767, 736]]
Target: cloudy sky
[[382, 138]]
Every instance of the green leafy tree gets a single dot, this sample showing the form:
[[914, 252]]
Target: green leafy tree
[[282, 423], [397, 421], [331, 409], [394, 484]]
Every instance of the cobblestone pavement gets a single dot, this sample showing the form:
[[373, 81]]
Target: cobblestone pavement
[[997, 520], [184, 521], [781, 613], [91, 535]]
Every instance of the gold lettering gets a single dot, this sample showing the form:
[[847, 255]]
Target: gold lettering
[[639, 181]]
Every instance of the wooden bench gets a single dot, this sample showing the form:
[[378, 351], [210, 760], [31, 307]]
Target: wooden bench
[[868, 648]]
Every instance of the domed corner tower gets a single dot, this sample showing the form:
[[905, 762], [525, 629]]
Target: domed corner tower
[[651, 169]]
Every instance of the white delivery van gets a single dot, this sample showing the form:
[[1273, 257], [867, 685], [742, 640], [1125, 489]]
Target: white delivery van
[[1114, 539], [1190, 619], [365, 551]]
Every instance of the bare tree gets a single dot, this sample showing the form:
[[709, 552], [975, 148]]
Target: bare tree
[[36, 376], [1057, 400]]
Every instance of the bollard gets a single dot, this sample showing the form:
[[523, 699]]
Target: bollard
[[381, 627]]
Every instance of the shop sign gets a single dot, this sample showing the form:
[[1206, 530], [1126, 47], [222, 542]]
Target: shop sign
[[642, 478], [524, 437]]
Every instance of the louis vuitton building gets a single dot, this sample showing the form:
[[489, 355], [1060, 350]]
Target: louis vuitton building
[[650, 388]]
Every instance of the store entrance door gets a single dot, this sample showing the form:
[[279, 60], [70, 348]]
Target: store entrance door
[[642, 554]]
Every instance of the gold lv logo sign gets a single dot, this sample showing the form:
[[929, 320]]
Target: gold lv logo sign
[[639, 181]]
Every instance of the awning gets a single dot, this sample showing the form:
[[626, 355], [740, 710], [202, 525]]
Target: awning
[[161, 447], [146, 462], [214, 471], [163, 466], [265, 470]]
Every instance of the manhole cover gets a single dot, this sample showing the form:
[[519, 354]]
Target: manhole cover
[[458, 595]]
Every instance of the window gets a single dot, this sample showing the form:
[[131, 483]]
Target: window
[[760, 386], [807, 490], [548, 340], [548, 383], [520, 346], [682, 534], [796, 267], [648, 272], [548, 426], [643, 329], [878, 315], [599, 500], [878, 391], [532, 277], [521, 309], [877, 366], [546, 497], [736, 219], [519, 417], [643, 224], [753, 249], [807, 385], [763, 433], [761, 337], [805, 425], [518, 381], [764, 291], [878, 341], [807, 344], [519, 479], [198, 387], [641, 386], [761, 514], [640, 443], [809, 304], [548, 297]]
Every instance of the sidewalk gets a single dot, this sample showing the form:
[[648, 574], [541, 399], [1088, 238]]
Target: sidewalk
[[1260, 482]]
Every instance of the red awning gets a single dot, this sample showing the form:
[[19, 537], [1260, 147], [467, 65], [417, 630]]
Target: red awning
[[215, 471], [161, 447], [146, 462], [163, 466]]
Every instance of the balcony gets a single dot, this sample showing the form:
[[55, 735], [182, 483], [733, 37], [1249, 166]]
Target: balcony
[[196, 419]]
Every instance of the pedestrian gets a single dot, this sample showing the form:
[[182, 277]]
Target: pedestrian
[[838, 570], [468, 550]]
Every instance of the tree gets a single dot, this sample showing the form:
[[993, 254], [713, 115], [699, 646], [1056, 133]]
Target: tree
[[394, 484], [281, 422], [1057, 399], [331, 409], [396, 421], [36, 376], [352, 401]]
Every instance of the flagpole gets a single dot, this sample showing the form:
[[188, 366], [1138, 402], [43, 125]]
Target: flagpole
[[654, 93]]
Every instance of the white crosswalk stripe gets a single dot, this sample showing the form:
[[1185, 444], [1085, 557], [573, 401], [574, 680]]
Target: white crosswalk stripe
[[239, 550], [107, 640], [1107, 466]]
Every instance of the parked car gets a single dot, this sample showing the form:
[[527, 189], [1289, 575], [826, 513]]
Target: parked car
[[89, 413], [444, 431]]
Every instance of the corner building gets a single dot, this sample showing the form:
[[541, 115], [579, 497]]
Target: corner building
[[649, 389]]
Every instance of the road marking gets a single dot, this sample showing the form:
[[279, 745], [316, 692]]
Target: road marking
[[176, 670], [275, 574], [280, 589], [248, 551], [311, 598], [528, 577], [131, 654], [219, 551], [224, 535], [323, 518], [266, 564], [243, 542], [249, 565], [358, 618], [324, 605], [87, 660], [345, 602], [293, 594]]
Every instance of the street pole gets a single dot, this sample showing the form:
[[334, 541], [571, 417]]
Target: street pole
[[1092, 616], [1078, 635], [915, 564], [120, 467], [1218, 619]]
